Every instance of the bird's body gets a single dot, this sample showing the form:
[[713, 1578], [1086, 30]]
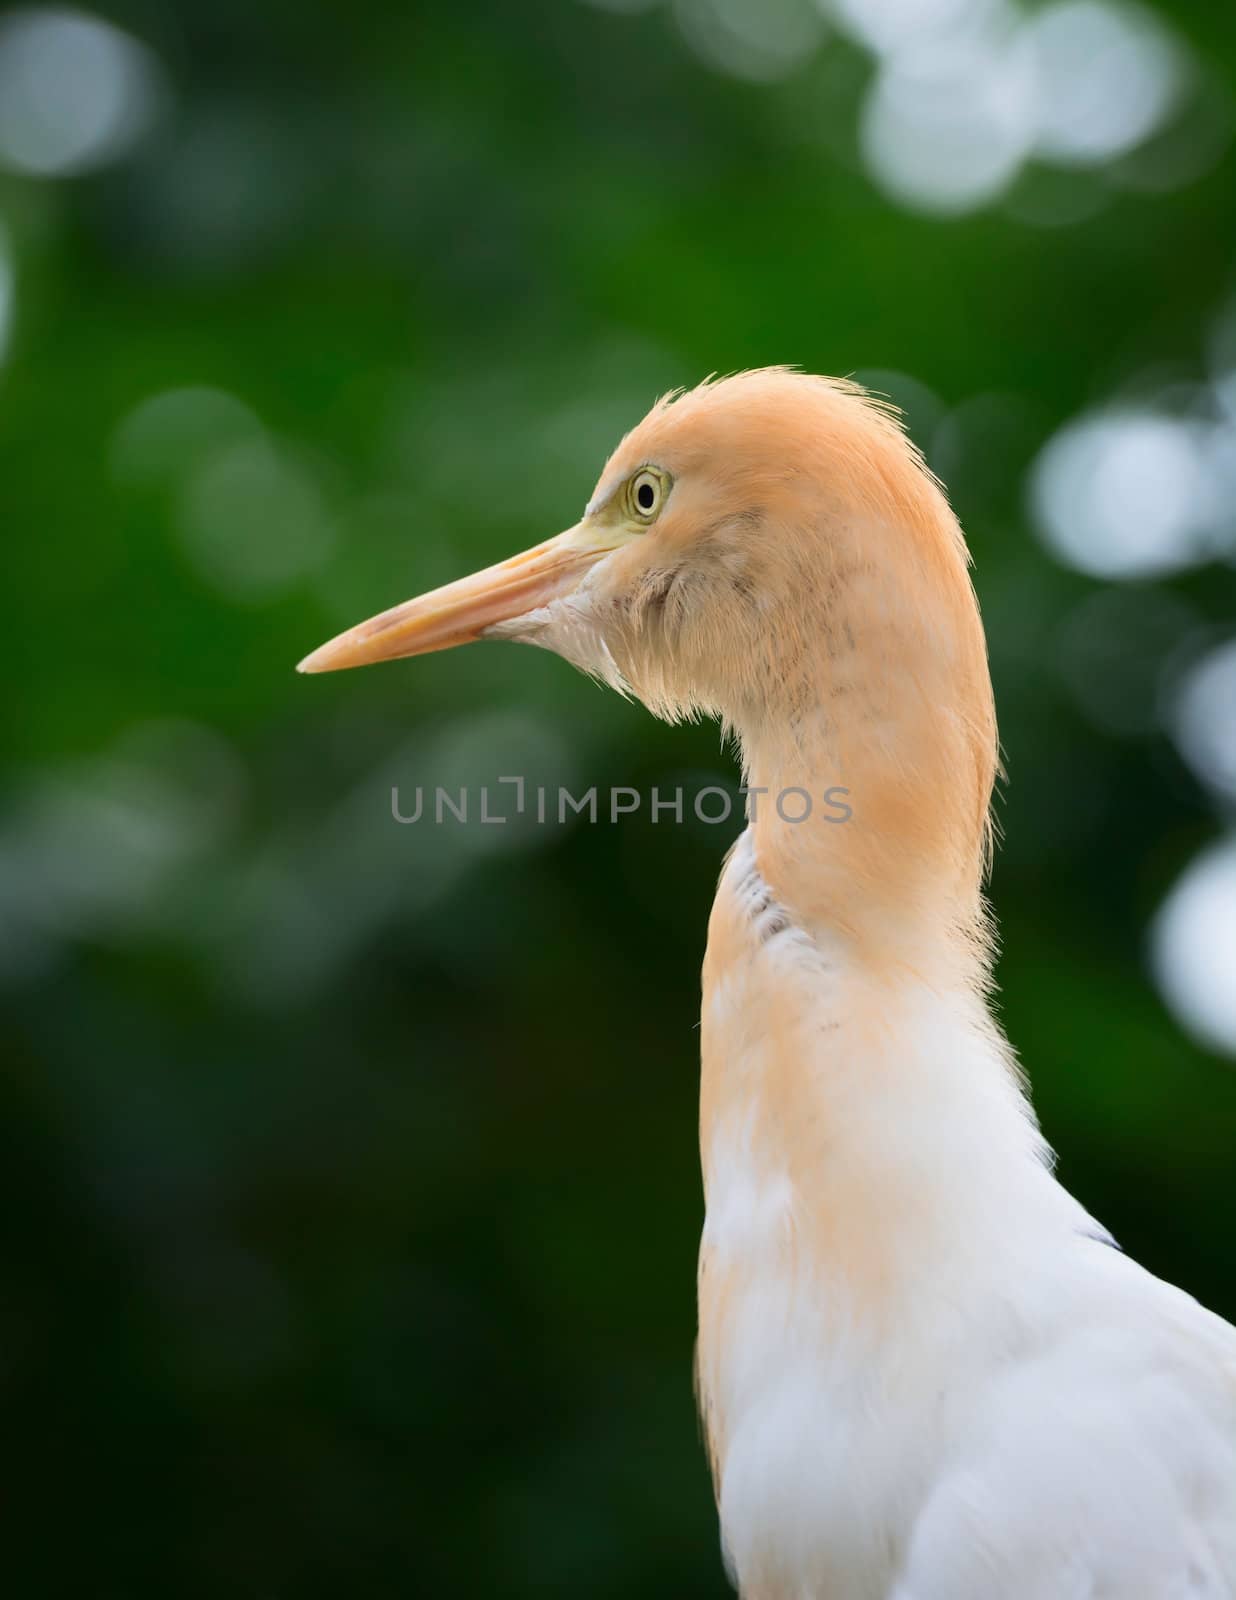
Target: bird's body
[[924, 1372]]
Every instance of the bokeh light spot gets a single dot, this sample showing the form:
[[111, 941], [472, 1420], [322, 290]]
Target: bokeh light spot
[[1203, 718], [92, 849], [253, 522], [169, 433], [760, 43], [945, 130], [892, 27], [8, 290], [1105, 78], [1123, 494], [968, 90], [75, 92], [1193, 948]]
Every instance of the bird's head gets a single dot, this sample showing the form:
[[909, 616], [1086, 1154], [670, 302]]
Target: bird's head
[[679, 570], [758, 547]]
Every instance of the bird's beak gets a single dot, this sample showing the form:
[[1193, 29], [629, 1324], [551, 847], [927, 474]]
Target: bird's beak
[[469, 608]]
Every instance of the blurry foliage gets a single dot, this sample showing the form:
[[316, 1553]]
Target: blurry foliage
[[352, 1186]]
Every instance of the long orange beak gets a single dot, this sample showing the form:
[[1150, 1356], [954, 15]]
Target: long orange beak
[[462, 611]]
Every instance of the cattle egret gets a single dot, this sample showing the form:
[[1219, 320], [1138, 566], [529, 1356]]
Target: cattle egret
[[925, 1373]]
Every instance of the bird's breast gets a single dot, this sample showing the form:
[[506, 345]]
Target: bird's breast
[[783, 1371]]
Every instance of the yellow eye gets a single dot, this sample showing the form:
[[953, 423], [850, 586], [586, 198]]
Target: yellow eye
[[646, 490]]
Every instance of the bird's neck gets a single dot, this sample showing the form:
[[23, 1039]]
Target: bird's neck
[[893, 705], [880, 846], [848, 1048]]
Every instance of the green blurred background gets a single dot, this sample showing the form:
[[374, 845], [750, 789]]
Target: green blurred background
[[352, 1190]]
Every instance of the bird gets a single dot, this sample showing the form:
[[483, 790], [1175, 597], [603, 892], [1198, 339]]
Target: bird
[[924, 1371]]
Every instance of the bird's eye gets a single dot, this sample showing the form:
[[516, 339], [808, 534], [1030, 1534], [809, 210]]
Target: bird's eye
[[645, 492]]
